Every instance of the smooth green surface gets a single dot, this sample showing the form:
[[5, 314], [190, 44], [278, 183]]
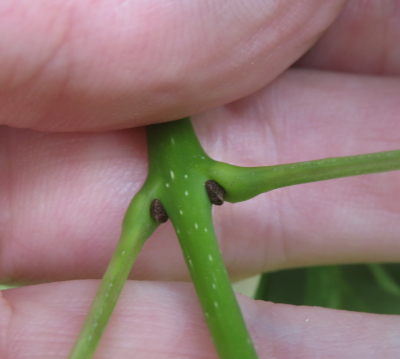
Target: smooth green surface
[[371, 288]]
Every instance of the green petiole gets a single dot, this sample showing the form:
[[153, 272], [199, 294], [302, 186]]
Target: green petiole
[[243, 183], [137, 227], [178, 171]]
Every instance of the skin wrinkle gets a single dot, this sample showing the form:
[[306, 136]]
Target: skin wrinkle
[[59, 33]]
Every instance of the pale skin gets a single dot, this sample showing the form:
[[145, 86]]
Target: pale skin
[[63, 195]]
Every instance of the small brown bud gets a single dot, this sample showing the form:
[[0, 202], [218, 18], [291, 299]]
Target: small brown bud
[[215, 192], [157, 211]]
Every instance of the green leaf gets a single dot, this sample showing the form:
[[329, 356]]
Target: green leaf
[[372, 288]]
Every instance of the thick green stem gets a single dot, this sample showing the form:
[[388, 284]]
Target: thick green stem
[[137, 227], [180, 163]]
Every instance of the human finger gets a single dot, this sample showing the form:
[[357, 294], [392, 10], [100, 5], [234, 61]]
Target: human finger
[[164, 320], [76, 65]]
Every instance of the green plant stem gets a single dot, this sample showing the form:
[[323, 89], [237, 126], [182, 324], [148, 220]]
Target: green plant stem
[[243, 183], [137, 227], [181, 165]]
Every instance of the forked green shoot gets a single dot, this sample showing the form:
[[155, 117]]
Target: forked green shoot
[[178, 171]]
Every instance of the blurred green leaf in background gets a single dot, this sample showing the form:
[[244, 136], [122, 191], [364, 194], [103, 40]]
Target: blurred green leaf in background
[[372, 288]]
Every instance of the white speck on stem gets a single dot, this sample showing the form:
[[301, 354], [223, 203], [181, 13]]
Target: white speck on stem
[[180, 212], [190, 263], [172, 174], [167, 185], [186, 176], [196, 226], [202, 157], [178, 231], [110, 285], [205, 230], [172, 140], [186, 193], [123, 253], [206, 314], [210, 257], [214, 285], [215, 304]]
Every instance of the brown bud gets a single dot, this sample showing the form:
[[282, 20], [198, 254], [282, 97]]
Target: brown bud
[[215, 192], [157, 211]]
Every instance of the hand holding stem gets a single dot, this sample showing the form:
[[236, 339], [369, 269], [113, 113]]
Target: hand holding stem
[[61, 193]]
